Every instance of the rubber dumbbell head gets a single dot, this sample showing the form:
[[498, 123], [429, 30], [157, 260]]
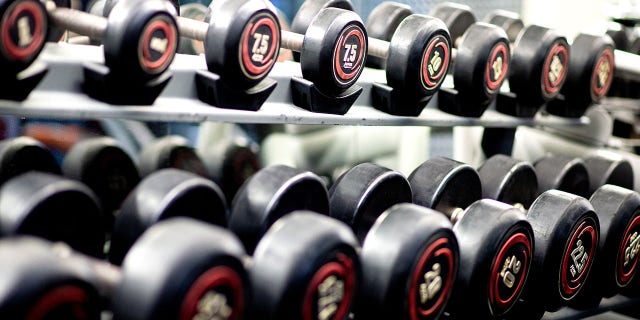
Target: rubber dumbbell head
[[170, 152], [270, 194], [164, 194], [457, 17], [24, 154], [562, 173], [608, 169], [382, 23], [54, 208], [23, 30], [507, 20], [509, 180]]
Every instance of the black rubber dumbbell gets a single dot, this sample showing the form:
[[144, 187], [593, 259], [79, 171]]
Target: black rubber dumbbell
[[106, 168], [23, 28], [409, 253], [304, 263], [608, 168], [480, 66], [562, 173], [566, 230], [140, 41], [229, 162], [54, 208], [616, 267], [416, 57], [24, 154], [540, 60], [178, 269], [496, 241], [161, 195]]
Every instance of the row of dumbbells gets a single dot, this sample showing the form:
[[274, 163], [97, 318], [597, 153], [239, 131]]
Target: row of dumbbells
[[506, 240], [140, 39]]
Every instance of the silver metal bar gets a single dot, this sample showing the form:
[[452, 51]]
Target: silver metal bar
[[192, 29], [378, 48], [291, 40], [627, 65], [77, 21]]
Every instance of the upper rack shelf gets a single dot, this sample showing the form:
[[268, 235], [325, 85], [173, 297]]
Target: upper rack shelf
[[59, 96]]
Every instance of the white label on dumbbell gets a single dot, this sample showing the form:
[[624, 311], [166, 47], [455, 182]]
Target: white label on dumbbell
[[431, 285], [632, 249], [497, 68], [556, 68], [603, 73], [213, 306], [330, 294], [350, 55], [509, 271], [260, 47], [24, 32], [434, 64], [158, 44], [579, 257]]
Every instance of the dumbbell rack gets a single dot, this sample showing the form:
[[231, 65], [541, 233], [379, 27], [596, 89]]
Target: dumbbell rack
[[59, 96]]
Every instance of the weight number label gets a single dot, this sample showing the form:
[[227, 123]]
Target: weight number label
[[631, 251], [22, 30], [509, 271], [435, 62], [431, 285], [577, 258], [628, 253], [330, 294], [555, 69], [497, 66], [213, 306], [158, 44], [602, 74], [348, 55], [260, 46]]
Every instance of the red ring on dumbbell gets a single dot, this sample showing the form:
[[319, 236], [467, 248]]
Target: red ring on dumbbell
[[570, 287], [431, 82], [598, 90], [439, 248], [256, 70], [499, 48], [504, 304], [353, 31], [624, 275], [13, 50], [170, 32], [223, 279], [558, 49], [66, 295], [342, 268]]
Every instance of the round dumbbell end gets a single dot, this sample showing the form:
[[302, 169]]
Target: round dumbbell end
[[364, 192], [24, 154], [382, 23], [508, 180], [23, 28], [507, 20], [457, 17], [562, 173]]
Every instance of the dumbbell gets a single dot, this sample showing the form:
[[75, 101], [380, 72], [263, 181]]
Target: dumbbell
[[23, 154], [195, 11], [496, 241], [481, 64], [567, 231], [409, 253], [608, 168], [106, 168], [178, 269], [305, 264], [140, 41], [416, 57], [228, 161], [562, 173]]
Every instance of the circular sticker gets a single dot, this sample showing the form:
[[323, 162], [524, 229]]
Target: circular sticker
[[64, 302], [330, 291], [23, 30], [432, 280], [497, 66], [216, 294], [348, 54], [435, 62], [260, 45], [577, 258], [628, 253], [555, 68], [602, 74], [158, 44], [509, 271]]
